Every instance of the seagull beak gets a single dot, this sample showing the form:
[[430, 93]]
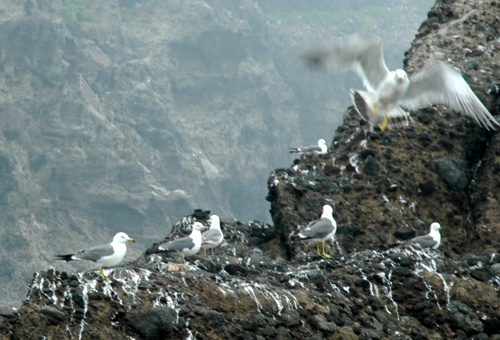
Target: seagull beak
[[131, 240]]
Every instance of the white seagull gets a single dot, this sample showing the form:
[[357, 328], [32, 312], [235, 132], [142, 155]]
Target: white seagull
[[185, 246], [319, 149], [320, 230], [431, 240], [387, 90], [106, 255], [213, 237]]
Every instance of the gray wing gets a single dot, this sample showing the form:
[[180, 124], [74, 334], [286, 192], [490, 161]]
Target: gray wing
[[306, 149], [95, 253], [360, 52], [441, 84], [318, 229], [425, 241], [178, 245], [211, 235]]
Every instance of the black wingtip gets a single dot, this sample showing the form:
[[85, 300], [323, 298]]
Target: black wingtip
[[66, 258]]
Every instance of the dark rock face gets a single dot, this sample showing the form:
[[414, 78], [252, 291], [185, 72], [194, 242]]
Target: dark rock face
[[441, 167], [452, 172], [153, 323], [402, 292]]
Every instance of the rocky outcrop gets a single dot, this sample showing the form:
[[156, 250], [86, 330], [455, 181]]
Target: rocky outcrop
[[249, 291], [442, 167], [385, 188], [126, 115]]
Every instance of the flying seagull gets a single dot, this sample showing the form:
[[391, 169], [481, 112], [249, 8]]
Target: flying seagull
[[387, 90], [106, 255], [319, 149], [213, 237], [185, 246], [320, 230], [431, 240]]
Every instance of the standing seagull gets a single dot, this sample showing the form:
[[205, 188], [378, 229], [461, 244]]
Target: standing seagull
[[106, 255], [386, 90], [431, 240], [213, 237], [185, 246], [320, 230], [319, 149]]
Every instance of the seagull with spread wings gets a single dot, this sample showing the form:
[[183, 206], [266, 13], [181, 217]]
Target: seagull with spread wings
[[387, 90]]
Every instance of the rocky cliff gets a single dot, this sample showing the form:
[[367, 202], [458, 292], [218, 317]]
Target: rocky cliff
[[384, 188], [126, 115]]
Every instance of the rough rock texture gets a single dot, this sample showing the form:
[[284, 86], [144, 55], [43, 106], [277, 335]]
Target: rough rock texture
[[442, 168], [249, 291], [176, 98], [197, 101]]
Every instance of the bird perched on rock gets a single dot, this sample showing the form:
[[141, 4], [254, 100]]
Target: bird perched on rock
[[319, 149], [185, 246], [213, 237], [106, 255], [431, 240], [319, 231], [387, 90]]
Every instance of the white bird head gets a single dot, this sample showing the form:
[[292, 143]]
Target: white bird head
[[214, 221], [327, 211], [122, 238], [400, 75], [435, 226], [321, 142], [198, 226]]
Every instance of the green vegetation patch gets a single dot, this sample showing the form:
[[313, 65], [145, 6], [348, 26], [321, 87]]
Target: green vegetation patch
[[72, 12]]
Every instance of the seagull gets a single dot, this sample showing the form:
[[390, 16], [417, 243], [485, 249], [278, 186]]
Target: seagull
[[387, 90], [320, 230], [185, 246], [319, 149], [106, 255], [431, 240], [213, 237]]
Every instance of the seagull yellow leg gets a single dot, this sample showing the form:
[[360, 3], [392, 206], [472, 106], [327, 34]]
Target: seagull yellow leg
[[383, 126], [374, 110], [317, 249], [104, 277], [324, 252]]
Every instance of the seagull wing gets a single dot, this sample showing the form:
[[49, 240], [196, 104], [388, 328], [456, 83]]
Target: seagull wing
[[179, 245], [359, 52], [441, 84], [317, 229], [305, 149], [425, 241], [211, 236], [95, 253]]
